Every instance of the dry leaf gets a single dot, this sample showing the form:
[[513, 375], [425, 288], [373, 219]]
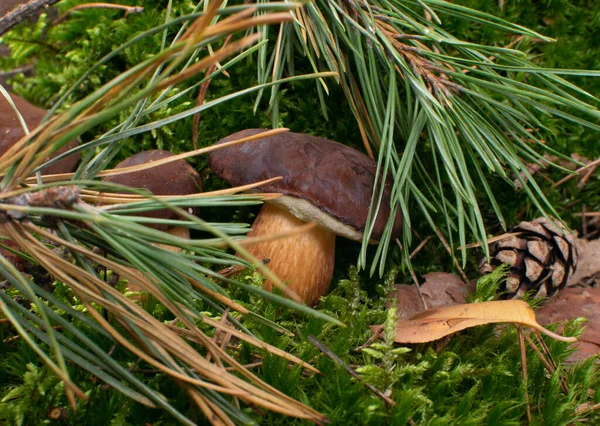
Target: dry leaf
[[573, 303], [439, 289], [588, 266], [436, 323]]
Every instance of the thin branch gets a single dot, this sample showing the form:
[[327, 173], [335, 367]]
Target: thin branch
[[202, 95], [128, 9], [524, 370], [25, 11], [586, 408], [577, 172], [550, 365], [370, 341], [587, 214], [546, 349], [420, 246], [493, 240]]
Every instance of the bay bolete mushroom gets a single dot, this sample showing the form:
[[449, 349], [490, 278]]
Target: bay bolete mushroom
[[324, 182], [174, 178], [11, 132]]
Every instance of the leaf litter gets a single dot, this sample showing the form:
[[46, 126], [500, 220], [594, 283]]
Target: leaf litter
[[446, 295], [573, 303]]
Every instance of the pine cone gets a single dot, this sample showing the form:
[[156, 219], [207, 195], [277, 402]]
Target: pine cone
[[542, 256]]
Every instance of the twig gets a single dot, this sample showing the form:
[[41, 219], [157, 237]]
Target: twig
[[524, 371], [218, 332], [550, 366], [586, 408], [586, 177], [128, 9], [587, 214], [416, 281], [231, 270], [24, 69], [546, 363], [203, 91], [546, 349], [341, 363], [368, 343], [590, 165], [25, 11], [112, 349], [420, 246], [493, 240], [225, 343]]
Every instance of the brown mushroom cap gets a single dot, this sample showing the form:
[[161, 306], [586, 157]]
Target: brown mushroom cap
[[175, 178], [334, 178], [11, 131]]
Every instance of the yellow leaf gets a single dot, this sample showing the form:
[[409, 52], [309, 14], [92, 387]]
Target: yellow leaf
[[436, 323]]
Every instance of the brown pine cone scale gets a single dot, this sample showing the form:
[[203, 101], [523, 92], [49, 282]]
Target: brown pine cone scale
[[542, 256]]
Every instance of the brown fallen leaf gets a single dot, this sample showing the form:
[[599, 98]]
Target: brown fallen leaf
[[572, 303], [436, 323], [588, 266], [439, 289]]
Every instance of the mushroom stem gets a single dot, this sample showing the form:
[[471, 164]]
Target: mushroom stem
[[305, 261], [178, 231]]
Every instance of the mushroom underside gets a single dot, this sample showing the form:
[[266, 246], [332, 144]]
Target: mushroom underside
[[308, 212]]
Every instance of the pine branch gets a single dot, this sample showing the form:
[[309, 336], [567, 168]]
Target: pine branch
[[29, 10]]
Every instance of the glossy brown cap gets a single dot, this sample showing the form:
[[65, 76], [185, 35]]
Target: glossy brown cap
[[175, 178], [333, 177], [11, 131]]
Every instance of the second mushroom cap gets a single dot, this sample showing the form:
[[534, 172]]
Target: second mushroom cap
[[175, 178]]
